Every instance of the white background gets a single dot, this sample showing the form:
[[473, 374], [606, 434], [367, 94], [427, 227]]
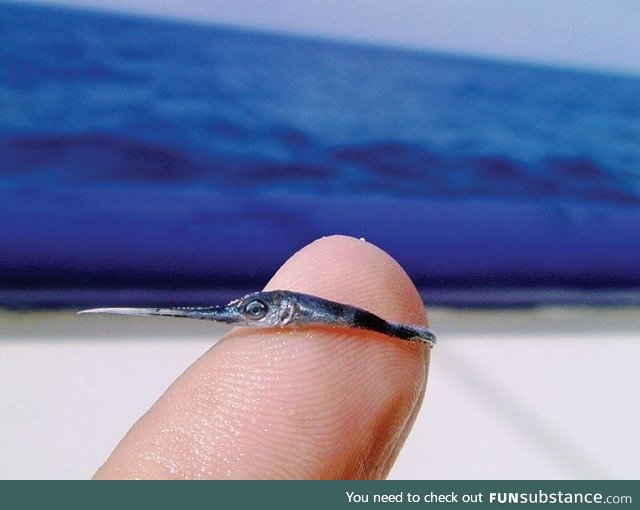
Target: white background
[[532, 394]]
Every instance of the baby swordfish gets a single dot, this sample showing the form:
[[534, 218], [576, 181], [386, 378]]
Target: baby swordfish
[[283, 308]]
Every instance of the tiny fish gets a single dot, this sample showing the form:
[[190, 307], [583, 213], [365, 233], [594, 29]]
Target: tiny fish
[[283, 308]]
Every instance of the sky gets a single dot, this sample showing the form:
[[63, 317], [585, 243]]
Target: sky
[[590, 34]]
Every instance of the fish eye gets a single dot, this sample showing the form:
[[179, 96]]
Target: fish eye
[[256, 309]]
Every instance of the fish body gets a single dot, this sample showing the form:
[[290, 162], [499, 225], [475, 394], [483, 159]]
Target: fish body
[[283, 308]]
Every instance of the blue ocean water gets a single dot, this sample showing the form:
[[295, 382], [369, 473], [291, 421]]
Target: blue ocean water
[[143, 155]]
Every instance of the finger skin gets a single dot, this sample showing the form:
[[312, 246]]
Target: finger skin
[[304, 403]]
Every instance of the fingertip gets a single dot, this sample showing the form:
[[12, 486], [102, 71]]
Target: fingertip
[[312, 402], [356, 272]]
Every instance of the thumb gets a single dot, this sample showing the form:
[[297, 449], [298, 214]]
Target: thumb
[[313, 402]]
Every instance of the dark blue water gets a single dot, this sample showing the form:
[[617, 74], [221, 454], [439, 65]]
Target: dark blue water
[[138, 154]]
